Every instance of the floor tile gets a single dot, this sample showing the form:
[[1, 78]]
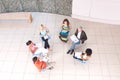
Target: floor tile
[[16, 59]]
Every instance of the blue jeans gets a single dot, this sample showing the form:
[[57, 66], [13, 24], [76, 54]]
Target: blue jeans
[[74, 44]]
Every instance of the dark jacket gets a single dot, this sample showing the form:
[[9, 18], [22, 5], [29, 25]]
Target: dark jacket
[[83, 36]]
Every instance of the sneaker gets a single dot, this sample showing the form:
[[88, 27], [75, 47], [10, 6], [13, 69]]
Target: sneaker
[[71, 52], [68, 52], [50, 68], [60, 37]]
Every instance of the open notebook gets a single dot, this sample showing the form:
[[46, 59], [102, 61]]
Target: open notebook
[[74, 38]]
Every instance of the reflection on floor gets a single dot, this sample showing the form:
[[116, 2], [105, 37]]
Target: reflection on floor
[[16, 63]]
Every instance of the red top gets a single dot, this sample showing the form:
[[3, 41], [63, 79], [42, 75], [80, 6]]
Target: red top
[[40, 65]]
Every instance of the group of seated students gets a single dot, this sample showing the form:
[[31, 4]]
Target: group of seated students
[[78, 38], [40, 54]]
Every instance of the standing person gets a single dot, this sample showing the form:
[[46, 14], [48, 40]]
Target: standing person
[[65, 30], [80, 36], [44, 36]]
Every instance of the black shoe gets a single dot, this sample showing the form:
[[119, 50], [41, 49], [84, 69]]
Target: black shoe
[[60, 37], [82, 42], [72, 52], [68, 52], [50, 68]]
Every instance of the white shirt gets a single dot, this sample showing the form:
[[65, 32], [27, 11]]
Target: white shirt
[[78, 55], [41, 50], [79, 34], [42, 54]]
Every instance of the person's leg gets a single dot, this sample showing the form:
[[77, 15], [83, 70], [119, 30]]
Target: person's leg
[[74, 56], [50, 65], [46, 45], [73, 47], [74, 44], [43, 40]]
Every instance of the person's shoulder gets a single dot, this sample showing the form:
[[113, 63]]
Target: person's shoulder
[[83, 31]]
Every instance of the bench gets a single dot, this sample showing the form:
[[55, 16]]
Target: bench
[[16, 16]]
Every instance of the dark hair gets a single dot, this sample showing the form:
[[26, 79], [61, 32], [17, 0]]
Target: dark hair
[[34, 59], [66, 21], [81, 27], [42, 25], [88, 52], [28, 43]]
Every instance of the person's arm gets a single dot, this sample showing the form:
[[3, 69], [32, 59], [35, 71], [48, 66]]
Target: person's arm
[[62, 27], [85, 57], [44, 65], [70, 27], [76, 32], [30, 49], [39, 69], [83, 36], [47, 30], [40, 29], [39, 45]]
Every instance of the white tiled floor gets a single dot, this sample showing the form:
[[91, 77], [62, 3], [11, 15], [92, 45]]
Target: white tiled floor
[[16, 63]]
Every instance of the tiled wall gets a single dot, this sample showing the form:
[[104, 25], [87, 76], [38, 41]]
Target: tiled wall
[[63, 7]]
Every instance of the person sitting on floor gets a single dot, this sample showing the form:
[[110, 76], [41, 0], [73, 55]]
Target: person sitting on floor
[[37, 50], [41, 65], [83, 56]]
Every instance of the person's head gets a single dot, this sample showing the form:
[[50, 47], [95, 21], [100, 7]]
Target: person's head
[[80, 29], [66, 22], [34, 59], [29, 42], [88, 52], [42, 25]]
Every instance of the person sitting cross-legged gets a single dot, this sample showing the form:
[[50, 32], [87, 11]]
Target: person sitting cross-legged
[[83, 56], [80, 37]]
